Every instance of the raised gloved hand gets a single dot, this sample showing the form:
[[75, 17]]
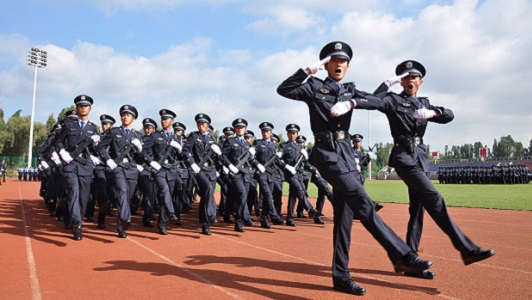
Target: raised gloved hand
[[252, 151], [304, 153], [176, 145], [137, 144], [315, 67], [67, 158], [394, 80], [95, 139], [155, 165], [140, 168], [195, 168], [44, 165], [424, 113], [216, 149], [261, 168], [95, 160], [341, 108], [233, 169], [290, 169], [55, 158], [111, 164], [372, 155]]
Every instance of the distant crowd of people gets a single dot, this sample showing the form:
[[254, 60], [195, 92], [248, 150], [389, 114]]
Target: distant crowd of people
[[496, 174], [28, 174]]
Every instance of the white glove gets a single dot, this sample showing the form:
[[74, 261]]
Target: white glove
[[304, 153], [195, 168], [372, 155], [314, 68], [424, 113], [317, 174], [55, 158], [65, 156], [176, 145], [290, 169], [225, 169], [44, 165], [155, 165], [140, 168], [252, 151], [261, 168], [95, 160], [341, 108], [95, 139], [394, 80], [216, 149], [279, 154], [111, 164], [233, 169], [217, 174], [137, 144]]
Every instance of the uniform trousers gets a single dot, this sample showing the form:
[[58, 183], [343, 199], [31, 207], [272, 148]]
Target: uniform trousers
[[125, 185], [164, 188], [266, 192], [78, 190], [207, 206], [297, 190]]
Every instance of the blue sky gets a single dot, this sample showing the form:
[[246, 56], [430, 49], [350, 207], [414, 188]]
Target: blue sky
[[226, 58]]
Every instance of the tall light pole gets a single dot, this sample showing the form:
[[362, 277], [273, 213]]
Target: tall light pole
[[38, 59]]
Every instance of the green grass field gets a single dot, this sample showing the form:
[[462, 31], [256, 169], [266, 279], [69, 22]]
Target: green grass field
[[513, 197]]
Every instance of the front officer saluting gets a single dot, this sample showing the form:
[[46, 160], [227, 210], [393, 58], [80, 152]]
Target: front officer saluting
[[123, 142], [74, 139], [408, 115], [330, 104]]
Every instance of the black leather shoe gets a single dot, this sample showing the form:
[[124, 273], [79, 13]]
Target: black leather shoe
[[425, 274], [126, 225], [228, 221], [477, 255], [348, 286], [318, 220], [301, 215], [77, 233], [378, 206], [238, 227], [291, 223], [173, 217], [147, 224], [312, 213], [265, 224], [249, 223], [411, 263], [101, 225], [206, 230], [278, 222], [212, 219], [162, 231], [122, 234], [178, 223]]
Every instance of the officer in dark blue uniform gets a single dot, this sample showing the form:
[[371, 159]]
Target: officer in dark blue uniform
[[200, 151], [74, 139], [161, 149], [118, 148], [146, 182], [266, 156], [278, 175], [330, 104], [408, 116], [181, 200]]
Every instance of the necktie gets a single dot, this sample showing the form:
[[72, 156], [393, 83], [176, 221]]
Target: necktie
[[167, 135], [241, 141], [127, 132], [82, 125]]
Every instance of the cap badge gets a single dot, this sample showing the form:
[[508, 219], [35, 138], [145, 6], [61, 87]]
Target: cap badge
[[409, 64], [338, 46], [102, 118], [126, 107], [83, 97], [163, 112]]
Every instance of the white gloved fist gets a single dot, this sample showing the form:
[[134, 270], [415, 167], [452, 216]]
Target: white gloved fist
[[95, 139], [140, 168], [137, 144], [314, 68], [372, 155], [225, 169], [233, 169], [65, 156], [216, 149], [279, 154], [176, 145], [155, 165], [195, 168], [424, 113], [55, 158], [290, 169], [261, 168], [217, 174], [95, 160], [394, 80], [44, 165], [111, 164], [252, 151], [341, 108], [304, 153]]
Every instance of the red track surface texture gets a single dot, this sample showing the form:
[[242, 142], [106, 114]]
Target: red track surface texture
[[39, 259]]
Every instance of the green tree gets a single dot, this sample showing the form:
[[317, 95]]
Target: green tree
[[6, 137], [50, 122], [506, 147], [61, 115], [19, 128], [383, 154]]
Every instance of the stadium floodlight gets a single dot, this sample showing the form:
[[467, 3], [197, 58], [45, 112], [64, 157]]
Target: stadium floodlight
[[38, 59]]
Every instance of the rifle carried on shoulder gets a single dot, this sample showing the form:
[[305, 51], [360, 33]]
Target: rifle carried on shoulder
[[169, 151]]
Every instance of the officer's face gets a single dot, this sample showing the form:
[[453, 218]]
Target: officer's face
[[266, 134], [83, 110], [357, 145], [148, 130], [292, 135], [166, 123], [106, 126], [240, 130], [411, 84], [202, 127], [127, 119], [249, 140], [337, 67]]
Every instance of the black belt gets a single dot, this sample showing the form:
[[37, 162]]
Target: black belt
[[408, 140], [331, 135]]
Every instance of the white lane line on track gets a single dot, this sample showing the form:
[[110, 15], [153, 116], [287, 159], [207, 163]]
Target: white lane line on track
[[34, 280]]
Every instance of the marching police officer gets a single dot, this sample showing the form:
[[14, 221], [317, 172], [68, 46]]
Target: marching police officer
[[363, 160], [330, 105]]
